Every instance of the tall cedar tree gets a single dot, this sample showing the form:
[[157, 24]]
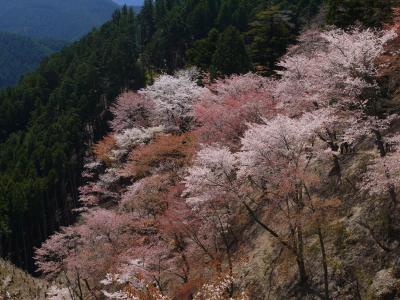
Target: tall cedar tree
[[231, 55]]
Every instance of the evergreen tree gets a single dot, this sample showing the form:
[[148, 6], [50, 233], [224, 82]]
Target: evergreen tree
[[269, 34], [201, 53], [147, 22], [160, 11], [231, 56], [345, 13]]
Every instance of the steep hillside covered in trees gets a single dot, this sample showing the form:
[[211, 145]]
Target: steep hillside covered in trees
[[31, 30], [50, 119], [201, 183], [47, 121], [20, 55], [246, 187]]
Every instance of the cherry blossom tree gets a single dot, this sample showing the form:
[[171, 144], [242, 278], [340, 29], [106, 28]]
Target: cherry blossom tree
[[238, 84], [382, 174], [282, 139], [228, 104], [159, 217], [174, 97], [145, 197], [340, 71], [212, 174], [273, 161], [85, 252], [336, 69], [275, 158], [133, 137], [209, 189], [131, 110], [50, 257], [165, 154], [220, 290], [99, 187]]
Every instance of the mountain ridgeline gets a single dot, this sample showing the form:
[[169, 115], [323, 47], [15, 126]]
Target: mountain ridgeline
[[49, 120], [32, 30], [20, 55], [54, 19]]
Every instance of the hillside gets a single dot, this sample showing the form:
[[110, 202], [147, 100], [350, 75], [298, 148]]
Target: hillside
[[49, 120], [248, 187], [55, 19], [16, 284], [20, 55], [211, 150]]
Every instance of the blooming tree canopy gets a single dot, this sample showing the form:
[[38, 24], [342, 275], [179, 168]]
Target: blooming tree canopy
[[174, 97]]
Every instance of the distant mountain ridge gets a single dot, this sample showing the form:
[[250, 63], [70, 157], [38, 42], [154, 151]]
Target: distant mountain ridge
[[56, 19], [129, 2], [20, 54]]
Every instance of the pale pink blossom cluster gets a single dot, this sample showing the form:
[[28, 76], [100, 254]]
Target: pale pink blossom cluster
[[211, 174], [229, 104], [338, 71], [173, 97], [219, 290]]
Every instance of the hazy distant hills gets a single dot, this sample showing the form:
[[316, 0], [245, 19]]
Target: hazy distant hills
[[135, 4], [20, 54], [57, 19], [33, 29], [129, 2]]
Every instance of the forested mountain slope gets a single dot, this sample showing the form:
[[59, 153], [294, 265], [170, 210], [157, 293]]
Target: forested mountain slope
[[51, 117], [31, 30], [46, 122], [20, 55], [247, 187], [178, 197], [56, 19]]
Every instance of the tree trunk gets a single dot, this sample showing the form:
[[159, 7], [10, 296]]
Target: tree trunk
[[336, 167], [303, 280], [379, 143], [324, 263]]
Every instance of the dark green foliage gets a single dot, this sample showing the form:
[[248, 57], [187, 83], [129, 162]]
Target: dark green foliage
[[46, 122], [231, 56], [147, 23], [202, 52], [182, 33], [166, 50], [56, 19], [233, 12], [345, 13], [269, 34], [19, 55]]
